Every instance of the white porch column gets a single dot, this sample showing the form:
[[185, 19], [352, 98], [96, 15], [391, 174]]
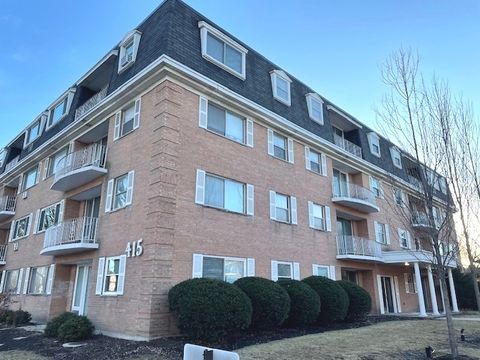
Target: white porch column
[[418, 280], [443, 297], [452, 291], [433, 295]]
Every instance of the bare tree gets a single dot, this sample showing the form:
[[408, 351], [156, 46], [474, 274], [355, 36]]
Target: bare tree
[[411, 114]]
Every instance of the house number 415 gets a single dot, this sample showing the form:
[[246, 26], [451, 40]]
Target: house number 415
[[134, 248]]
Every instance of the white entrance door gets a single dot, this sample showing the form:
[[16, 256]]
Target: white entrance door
[[79, 303]]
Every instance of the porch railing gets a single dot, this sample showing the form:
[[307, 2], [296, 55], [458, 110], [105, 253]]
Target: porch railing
[[80, 230], [90, 103], [92, 155], [347, 145], [349, 190], [353, 245], [3, 253], [7, 203]]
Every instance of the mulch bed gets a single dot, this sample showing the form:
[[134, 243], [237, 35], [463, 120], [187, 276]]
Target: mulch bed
[[103, 347]]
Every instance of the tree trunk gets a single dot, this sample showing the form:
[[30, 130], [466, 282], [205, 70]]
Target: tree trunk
[[473, 271], [452, 336]]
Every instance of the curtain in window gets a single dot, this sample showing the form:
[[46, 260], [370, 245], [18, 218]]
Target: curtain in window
[[234, 196], [214, 191]]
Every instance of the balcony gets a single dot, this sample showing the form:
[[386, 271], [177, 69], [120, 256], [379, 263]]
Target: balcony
[[10, 165], [90, 103], [71, 236], [7, 207], [420, 221], [355, 197], [80, 167], [358, 248], [3, 254], [347, 146]]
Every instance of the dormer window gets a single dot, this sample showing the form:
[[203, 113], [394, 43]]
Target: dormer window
[[281, 86], [34, 130], [60, 108], [374, 143], [315, 107], [222, 51], [128, 50], [396, 157]]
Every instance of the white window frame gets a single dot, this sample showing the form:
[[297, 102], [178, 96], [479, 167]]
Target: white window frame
[[49, 166], [40, 121], [399, 192], [120, 258], [244, 186], [385, 232], [205, 29], [243, 260], [374, 139], [289, 147], [274, 75], [13, 228], [410, 283], [311, 99], [290, 264], [373, 188], [322, 164], [132, 37], [197, 264], [68, 97], [291, 208], [404, 235], [58, 207], [29, 279], [330, 270], [119, 120], [111, 186], [294, 270], [24, 178], [396, 155], [5, 278], [326, 221]]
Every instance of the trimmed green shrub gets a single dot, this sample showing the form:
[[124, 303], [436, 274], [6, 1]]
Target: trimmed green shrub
[[304, 302], [51, 330], [5, 315], [334, 300], [16, 318], [270, 301], [360, 301], [209, 309], [75, 328]]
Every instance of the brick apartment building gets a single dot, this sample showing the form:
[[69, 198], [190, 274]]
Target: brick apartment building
[[184, 153]]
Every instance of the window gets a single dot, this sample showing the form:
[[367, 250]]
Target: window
[[226, 269], [382, 233], [374, 143], [226, 123], [49, 216], [20, 228], [38, 280], [410, 283], [222, 51], [127, 119], [281, 86], [119, 192], [111, 275], [57, 162], [285, 270], [30, 178], [224, 194], [283, 208], [128, 50], [60, 108], [11, 281], [34, 131], [396, 157], [315, 161], [315, 107], [112, 271], [280, 146], [319, 216], [398, 197], [376, 187], [404, 238]]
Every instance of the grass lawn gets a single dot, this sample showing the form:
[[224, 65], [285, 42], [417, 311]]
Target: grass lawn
[[405, 339]]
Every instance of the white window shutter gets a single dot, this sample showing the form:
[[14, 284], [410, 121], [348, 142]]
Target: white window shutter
[[273, 205], [293, 203], [131, 176], [2, 281], [332, 273], [12, 230], [307, 158], [409, 240], [37, 219], [20, 281], [109, 198], [20, 184], [45, 168], [296, 271], [405, 277], [136, 116], [314, 270], [290, 151], [274, 270], [311, 221], [200, 187], [250, 200], [37, 175], [197, 268], [100, 272], [118, 124], [61, 211], [270, 142], [328, 219], [30, 220], [249, 132], [387, 233], [121, 274], [203, 112], [26, 280], [375, 229], [250, 267], [323, 158], [370, 180], [51, 276], [399, 233]]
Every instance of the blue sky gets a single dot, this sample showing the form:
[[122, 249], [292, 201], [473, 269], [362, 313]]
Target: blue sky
[[336, 47]]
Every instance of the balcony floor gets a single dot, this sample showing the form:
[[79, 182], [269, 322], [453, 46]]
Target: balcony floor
[[357, 204], [78, 177], [4, 215], [69, 248], [363, 258]]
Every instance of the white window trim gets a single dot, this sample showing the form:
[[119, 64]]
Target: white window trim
[[119, 119], [322, 164], [24, 179], [316, 266], [28, 280], [414, 282], [311, 97], [292, 208], [110, 198], [327, 225], [104, 275], [39, 213], [273, 76], [12, 228], [290, 152], [294, 269], [42, 120], [380, 187], [69, 95], [401, 231], [244, 260], [394, 152], [376, 224], [373, 137], [134, 36], [207, 28]]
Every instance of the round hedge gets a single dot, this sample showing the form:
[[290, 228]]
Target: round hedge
[[334, 300], [360, 302], [304, 302], [209, 309], [75, 328], [51, 330], [270, 301]]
